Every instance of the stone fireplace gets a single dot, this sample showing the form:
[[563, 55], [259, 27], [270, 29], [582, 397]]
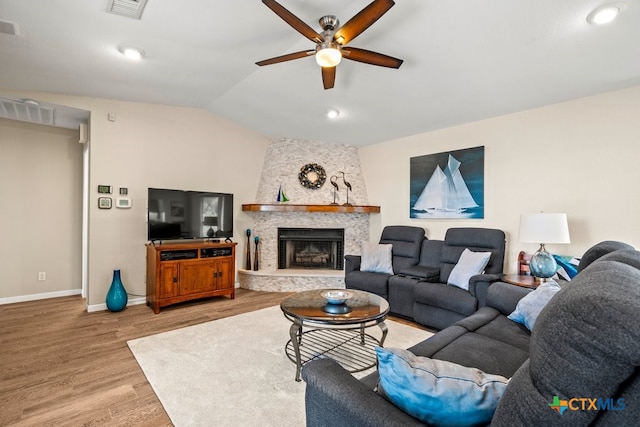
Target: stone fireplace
[[313, 248], [271, 278], [311, 268]]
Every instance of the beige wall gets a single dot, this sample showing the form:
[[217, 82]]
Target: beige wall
[[41, 199], [584, 163], [155, 146], [578, 157], [165, 147]]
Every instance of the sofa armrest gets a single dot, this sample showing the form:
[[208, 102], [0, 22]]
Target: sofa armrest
[[504, 297], [479, 285], [352, 263], [334, 397]]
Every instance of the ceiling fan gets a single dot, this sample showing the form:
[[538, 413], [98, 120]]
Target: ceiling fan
[[331, 43]]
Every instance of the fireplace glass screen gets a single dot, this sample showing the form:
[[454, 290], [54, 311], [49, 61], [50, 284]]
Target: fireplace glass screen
[[311, 248]]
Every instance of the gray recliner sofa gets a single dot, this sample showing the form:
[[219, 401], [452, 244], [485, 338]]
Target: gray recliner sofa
[[418, 288], [438, 305], [406, 241], [585, 344]]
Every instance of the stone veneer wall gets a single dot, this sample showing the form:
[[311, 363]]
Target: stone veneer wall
[[285, 157], [283, 161]]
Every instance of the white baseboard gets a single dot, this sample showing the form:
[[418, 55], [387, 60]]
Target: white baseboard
[[57, 294], [34, 297], [102, 307]]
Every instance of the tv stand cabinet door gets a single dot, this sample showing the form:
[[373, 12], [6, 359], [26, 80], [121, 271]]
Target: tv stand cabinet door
[[197, 277], [168, 280], [226, 276]]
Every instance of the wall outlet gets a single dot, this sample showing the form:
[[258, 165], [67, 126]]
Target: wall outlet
[[42, 276]]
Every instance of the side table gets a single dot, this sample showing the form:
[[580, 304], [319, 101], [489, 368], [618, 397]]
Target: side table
[[521, 280]]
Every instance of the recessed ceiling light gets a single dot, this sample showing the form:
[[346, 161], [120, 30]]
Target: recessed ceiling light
[[333, 113], [604, 14], [132, 53]]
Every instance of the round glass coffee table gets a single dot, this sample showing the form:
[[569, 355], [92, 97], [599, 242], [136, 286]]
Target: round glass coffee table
[[320, 329]]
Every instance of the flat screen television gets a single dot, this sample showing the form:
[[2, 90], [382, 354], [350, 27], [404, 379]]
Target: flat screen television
[[179, 214]]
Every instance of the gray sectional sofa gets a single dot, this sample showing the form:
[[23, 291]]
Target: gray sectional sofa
[[585, 344], [406, 241], [418, 289]]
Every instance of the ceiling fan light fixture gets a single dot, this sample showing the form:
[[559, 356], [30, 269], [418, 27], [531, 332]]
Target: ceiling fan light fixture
[[330, 42], [328, 55]]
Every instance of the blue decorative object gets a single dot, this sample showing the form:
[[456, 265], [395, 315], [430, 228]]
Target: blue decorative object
[[542, 264], [281, 196], [336, 309], [247, 264], [117, 296], [255, 259]]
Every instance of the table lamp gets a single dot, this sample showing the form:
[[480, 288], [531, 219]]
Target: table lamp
[[211, 221], [543, 228]]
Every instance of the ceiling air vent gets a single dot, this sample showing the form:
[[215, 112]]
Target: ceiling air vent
[[8, 28], [131, 8], [26, 111]]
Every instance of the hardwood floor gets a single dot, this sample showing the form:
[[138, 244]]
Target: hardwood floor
[[62, 366]]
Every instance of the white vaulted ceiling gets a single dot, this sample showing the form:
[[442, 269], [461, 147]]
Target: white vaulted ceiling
[[463, 60]]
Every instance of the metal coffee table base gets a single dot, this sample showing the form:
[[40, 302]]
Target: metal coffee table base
[[350, 347]]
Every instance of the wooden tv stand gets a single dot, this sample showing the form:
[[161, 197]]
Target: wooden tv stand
[[181, 272]]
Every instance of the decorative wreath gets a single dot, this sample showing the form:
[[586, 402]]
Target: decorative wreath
[[312, 176]]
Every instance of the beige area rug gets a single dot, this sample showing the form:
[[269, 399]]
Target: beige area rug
[[234, 371]]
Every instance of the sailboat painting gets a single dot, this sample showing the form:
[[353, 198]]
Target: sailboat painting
[[448, 185]]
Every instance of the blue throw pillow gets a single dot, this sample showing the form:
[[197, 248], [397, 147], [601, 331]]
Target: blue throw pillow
[[531, 305], [438, 392], [568, 266]]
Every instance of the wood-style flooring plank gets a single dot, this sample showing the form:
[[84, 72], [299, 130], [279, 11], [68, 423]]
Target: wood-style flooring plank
[[62, 366]]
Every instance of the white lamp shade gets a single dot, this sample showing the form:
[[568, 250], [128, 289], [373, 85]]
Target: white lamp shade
[[544, 228]]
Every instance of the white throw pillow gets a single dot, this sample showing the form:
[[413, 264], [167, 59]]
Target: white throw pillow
[[376, 258], [469, 264]]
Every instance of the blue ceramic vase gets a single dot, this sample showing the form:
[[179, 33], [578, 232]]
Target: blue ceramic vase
[[117, 296]]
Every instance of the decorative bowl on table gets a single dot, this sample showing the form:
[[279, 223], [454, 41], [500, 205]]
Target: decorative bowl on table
[[336, 297]]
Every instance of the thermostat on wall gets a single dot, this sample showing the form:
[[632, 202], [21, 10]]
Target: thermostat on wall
[[123, 202], [104, 189]]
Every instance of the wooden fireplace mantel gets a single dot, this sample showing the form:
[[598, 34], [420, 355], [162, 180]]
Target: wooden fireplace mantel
[[288, 207]]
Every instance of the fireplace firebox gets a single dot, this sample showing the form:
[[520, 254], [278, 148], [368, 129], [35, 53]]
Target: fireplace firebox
[[312, 248]]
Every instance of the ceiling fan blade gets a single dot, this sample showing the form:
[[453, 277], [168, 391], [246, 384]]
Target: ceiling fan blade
[[293, 20], [328, 77], [369, 57], [362, 20], [287, 57]]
